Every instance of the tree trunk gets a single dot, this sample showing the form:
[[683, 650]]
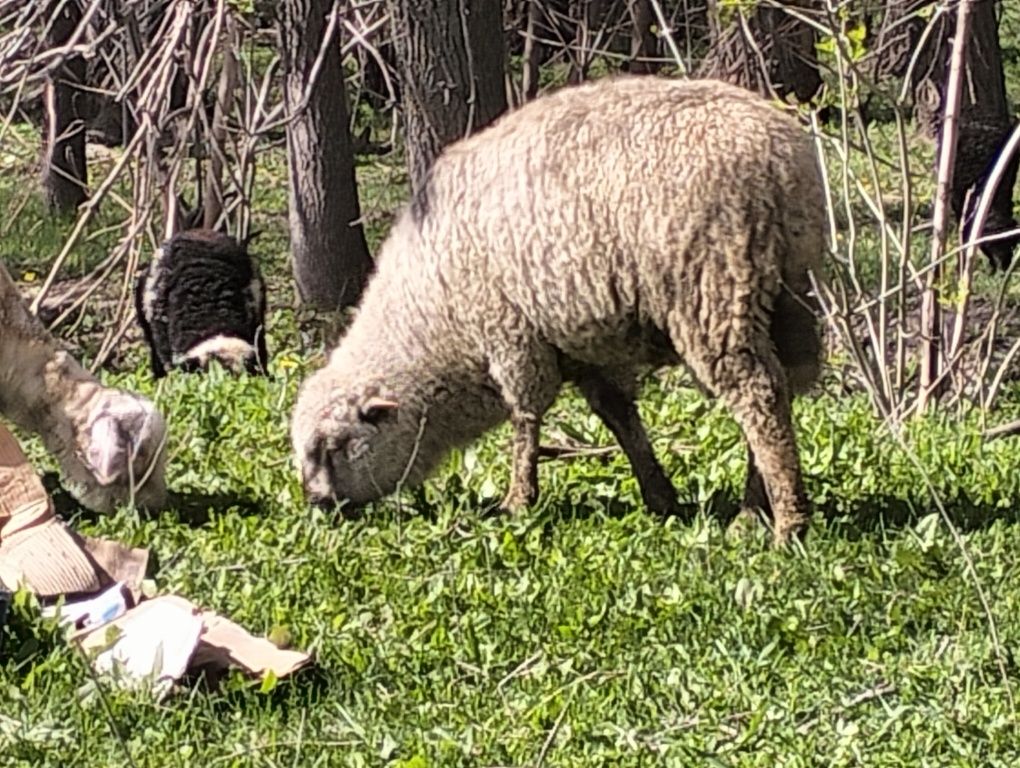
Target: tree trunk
[[532, 53], [644, 52], [985, 125], [450, 59], [985, 122], [65, 174], [214, 194], [769, 51], [329, 252]]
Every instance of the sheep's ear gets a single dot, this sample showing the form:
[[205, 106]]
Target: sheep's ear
[[377, 408]]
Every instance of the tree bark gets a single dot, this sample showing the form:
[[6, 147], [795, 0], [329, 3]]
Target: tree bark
[[213, 196], [65, 174], [985, 122], [450, 60], [532, 54], [769, 51], [644, 50], [329, 254], [985, 125]]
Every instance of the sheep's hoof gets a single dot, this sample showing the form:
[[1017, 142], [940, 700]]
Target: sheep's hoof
[[750, 523], [660, 499], [790, 532], [517, 501]]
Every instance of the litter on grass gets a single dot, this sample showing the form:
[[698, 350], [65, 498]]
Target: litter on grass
[[95, 587]]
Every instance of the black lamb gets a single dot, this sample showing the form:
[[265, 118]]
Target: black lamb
[[202, 298]]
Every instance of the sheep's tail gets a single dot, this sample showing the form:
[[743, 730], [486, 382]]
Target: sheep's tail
[[797, 332]]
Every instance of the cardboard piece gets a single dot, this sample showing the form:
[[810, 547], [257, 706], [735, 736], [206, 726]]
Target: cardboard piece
[[160, 639], [37, 548], [136, 641], [224, 643]]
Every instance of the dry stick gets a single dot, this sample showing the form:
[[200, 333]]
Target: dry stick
[[540, 760], [72, 47], [667, 33], [472, 99], [961, 545], [875, 692], [575, 451], [907, 214], [1002, 430], [931, 314], [216, 188], [878, 210], [107, 709], [875, 373], [836, 307], [360, 37], [89, 209], [980, 216]]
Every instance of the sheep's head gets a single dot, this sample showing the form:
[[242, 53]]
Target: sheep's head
[[119, 453], [353, 442]]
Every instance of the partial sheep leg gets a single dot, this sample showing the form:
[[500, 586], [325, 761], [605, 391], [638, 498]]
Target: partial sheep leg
[[612, 400], [754, 387], [523, 490], [528, 378]]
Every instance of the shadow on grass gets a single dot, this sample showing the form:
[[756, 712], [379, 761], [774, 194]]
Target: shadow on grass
[[866, 516], [843, 518], [192, 508], [297, 691]]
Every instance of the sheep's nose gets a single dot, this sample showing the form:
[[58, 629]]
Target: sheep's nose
[[318, 490]]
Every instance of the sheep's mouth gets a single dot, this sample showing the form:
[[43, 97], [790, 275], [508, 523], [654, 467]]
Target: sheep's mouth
[[345, 509], [320, 490]]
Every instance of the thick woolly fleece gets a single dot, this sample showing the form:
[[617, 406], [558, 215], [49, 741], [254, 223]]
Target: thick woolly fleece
[[202, 298], [592, 233], [109, 442]]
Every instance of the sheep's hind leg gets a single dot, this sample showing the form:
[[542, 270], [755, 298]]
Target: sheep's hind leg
[[753, 385], [612, 399], [528, 378]]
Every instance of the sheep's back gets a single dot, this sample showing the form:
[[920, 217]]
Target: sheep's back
[[594, 213], [210, 295]]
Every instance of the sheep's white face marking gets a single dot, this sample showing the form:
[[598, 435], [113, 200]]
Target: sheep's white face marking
[[232, 353], [346, 442]]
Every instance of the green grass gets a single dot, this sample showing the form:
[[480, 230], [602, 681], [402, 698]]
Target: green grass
[[447, 636], [586, 632]]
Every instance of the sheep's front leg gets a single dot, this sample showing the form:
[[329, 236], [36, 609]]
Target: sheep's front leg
[[523, 490], [527, 374]]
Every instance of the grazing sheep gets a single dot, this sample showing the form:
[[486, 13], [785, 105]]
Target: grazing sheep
[[595, 232], [202, 299], [110, 442]]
